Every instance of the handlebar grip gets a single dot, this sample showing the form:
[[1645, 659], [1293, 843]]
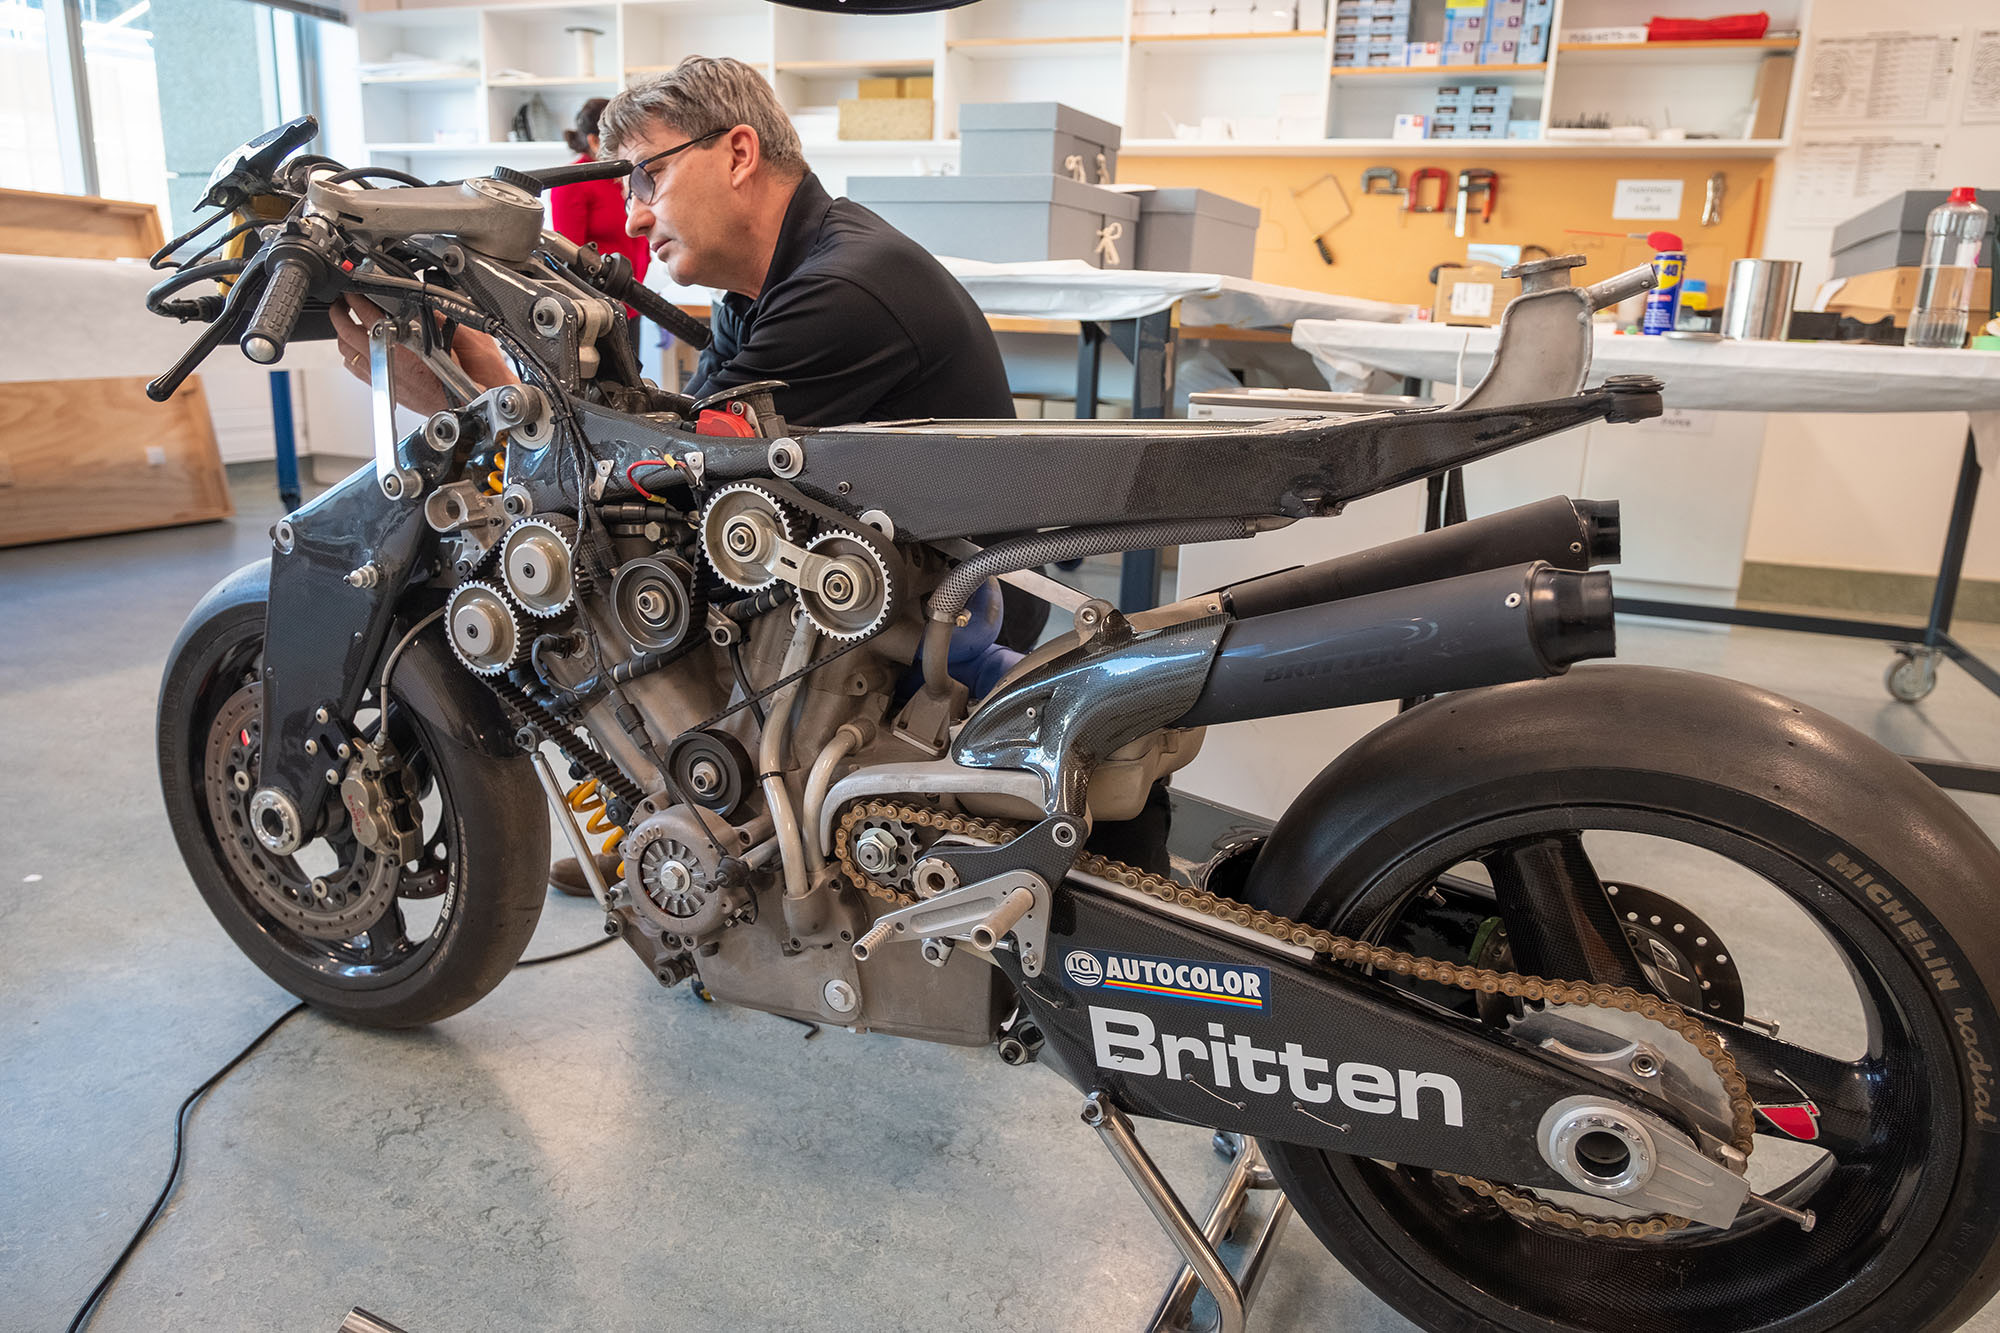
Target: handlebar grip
[[284, 297]]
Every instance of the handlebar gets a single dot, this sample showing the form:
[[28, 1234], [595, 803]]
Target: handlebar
[[614, 278], [284, 297]]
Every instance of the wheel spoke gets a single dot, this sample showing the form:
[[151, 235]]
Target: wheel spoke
[[387, 938], [1842, 1094], [1559, 921]]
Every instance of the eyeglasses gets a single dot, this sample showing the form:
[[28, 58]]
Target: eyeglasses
[[640, 184]]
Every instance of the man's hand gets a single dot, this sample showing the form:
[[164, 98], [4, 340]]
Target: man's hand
[[416, 387]]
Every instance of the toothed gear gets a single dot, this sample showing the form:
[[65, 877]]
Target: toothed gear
[[538, 565], [485, 636], [865, 592], [747, 565]]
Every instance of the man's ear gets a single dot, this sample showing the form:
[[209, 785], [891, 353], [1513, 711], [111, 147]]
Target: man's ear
[[746, 153]]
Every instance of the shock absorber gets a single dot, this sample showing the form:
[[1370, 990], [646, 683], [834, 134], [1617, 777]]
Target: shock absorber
[[586, 799], [496, 480]]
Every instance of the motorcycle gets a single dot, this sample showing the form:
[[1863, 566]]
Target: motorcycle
[[1506, 1088]]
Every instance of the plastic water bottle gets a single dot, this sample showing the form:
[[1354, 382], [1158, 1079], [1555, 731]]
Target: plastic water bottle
[[1952, 236]]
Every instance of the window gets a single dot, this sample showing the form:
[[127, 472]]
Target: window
[[31, 155]]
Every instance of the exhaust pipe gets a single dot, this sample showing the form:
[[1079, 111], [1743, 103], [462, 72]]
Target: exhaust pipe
[[1569, 534], [1488, 628]]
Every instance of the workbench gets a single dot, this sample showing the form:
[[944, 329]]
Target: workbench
[[1758, 377]]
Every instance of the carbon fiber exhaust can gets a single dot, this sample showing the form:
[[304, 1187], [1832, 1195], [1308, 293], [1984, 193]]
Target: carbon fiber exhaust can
[[1519, 623]]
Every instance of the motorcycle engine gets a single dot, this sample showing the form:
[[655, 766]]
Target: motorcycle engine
[[683, 876]]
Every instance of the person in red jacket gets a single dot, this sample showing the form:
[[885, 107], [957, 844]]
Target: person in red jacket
[[593, 212]]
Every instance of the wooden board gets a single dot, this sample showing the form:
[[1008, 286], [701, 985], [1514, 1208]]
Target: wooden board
[[74, 460], [71, 226]]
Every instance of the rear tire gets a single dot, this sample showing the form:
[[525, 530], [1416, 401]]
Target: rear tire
[[1895, 876], [488, 854]]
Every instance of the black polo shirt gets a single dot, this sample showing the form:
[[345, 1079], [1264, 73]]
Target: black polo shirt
[[861, 324]]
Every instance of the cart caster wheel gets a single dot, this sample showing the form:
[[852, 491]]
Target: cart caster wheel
[[1912, 676], [1226, 1145]]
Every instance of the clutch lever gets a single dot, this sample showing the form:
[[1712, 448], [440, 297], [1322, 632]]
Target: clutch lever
[[247, 288]]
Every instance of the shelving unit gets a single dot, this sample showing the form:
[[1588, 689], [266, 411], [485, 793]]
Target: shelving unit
[[1237, 93]]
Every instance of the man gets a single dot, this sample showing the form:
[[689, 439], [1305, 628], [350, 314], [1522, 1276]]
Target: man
[[858, 320]]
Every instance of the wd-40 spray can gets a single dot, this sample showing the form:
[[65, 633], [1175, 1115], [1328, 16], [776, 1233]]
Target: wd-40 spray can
[[1663, 303]]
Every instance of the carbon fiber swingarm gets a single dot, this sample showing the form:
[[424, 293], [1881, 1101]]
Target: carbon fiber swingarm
[[1180, 1023]]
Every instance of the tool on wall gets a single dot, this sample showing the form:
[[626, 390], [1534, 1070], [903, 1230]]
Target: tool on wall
[[1324, 206], [1711, 203], [1388, 177], [1411, 199], [1471, 181]]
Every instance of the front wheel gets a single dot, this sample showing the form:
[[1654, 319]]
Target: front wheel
[[381, 939], [1774, 872]]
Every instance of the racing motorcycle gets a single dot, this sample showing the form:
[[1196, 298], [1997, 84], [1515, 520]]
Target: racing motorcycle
[[1506, 1082]]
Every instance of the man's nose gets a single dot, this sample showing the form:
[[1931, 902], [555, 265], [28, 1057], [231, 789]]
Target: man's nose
[[638, 218]]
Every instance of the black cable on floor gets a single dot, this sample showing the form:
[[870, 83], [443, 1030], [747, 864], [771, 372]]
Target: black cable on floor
[[89, 1306]]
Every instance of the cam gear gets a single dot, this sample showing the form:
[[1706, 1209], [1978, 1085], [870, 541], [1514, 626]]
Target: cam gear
[[538, 564], [853, 592], [741, 533], [1341, 949], [485, 636]]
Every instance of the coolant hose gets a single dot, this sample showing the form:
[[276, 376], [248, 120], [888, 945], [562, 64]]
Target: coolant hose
[[771, 760], [851, 737], [954, 594]]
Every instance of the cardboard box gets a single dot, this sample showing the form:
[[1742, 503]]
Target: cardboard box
[[1773, 86], [1893, 291], [1474, 295], [1006, 219], [1445, 127], [918, 85], [886, 117], [1603, 36], [1410, 127], [1459, 53], [1423, 53], [1500, 53], [1524, 129], [1891, 234], [873, 88], [1026, 138]]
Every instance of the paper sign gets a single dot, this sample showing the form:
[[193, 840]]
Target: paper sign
[[1647, 200], [1473, 298]]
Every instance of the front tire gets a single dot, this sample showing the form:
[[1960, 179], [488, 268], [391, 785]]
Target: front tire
[[450, 923], [1800, 817]]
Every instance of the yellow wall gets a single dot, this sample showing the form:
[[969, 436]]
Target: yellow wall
[[1384, 253]]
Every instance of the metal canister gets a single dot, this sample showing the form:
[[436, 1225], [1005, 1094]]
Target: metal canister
[[1758, 305], [1663, 303]]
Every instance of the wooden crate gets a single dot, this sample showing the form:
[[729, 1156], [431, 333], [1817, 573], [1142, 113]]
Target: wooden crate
[[83, 457]]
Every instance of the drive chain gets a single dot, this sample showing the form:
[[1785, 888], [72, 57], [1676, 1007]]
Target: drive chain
[[1341, 949]]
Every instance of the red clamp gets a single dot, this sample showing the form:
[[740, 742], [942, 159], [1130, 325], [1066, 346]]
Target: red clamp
[[1417, 179]]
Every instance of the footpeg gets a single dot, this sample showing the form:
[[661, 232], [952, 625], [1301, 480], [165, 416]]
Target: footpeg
[[982, 914]]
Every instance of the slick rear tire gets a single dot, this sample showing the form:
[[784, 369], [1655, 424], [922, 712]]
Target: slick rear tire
[[1895, 875], [488, 856]]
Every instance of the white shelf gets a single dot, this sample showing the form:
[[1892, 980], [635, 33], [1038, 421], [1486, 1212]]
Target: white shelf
[[1455, 148], [536, 149], [554, 81], [937, 148], [423, 83]]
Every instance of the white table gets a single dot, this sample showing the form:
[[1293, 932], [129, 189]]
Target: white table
[[1144, 314], [1757, 377]]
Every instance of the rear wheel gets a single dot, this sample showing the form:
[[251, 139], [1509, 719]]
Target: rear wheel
[[386, 938], [1750, 881]]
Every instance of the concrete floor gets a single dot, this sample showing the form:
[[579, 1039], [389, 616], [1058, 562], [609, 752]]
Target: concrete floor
[[582, 1150]]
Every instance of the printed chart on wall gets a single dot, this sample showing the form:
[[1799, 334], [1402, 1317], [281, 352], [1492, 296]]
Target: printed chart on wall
[[1883, 78], [1982, 90], [1832, 178]]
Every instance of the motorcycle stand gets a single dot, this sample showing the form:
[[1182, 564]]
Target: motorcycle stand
[[1232, 1292]]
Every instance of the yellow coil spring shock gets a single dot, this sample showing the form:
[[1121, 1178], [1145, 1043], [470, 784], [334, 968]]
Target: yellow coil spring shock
[[496, 481], [586, 799]]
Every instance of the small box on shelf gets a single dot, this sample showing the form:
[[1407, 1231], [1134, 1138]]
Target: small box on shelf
[[1524, 129], [1410, 126], [874, 118], [1505, 52], [1423, 53]]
